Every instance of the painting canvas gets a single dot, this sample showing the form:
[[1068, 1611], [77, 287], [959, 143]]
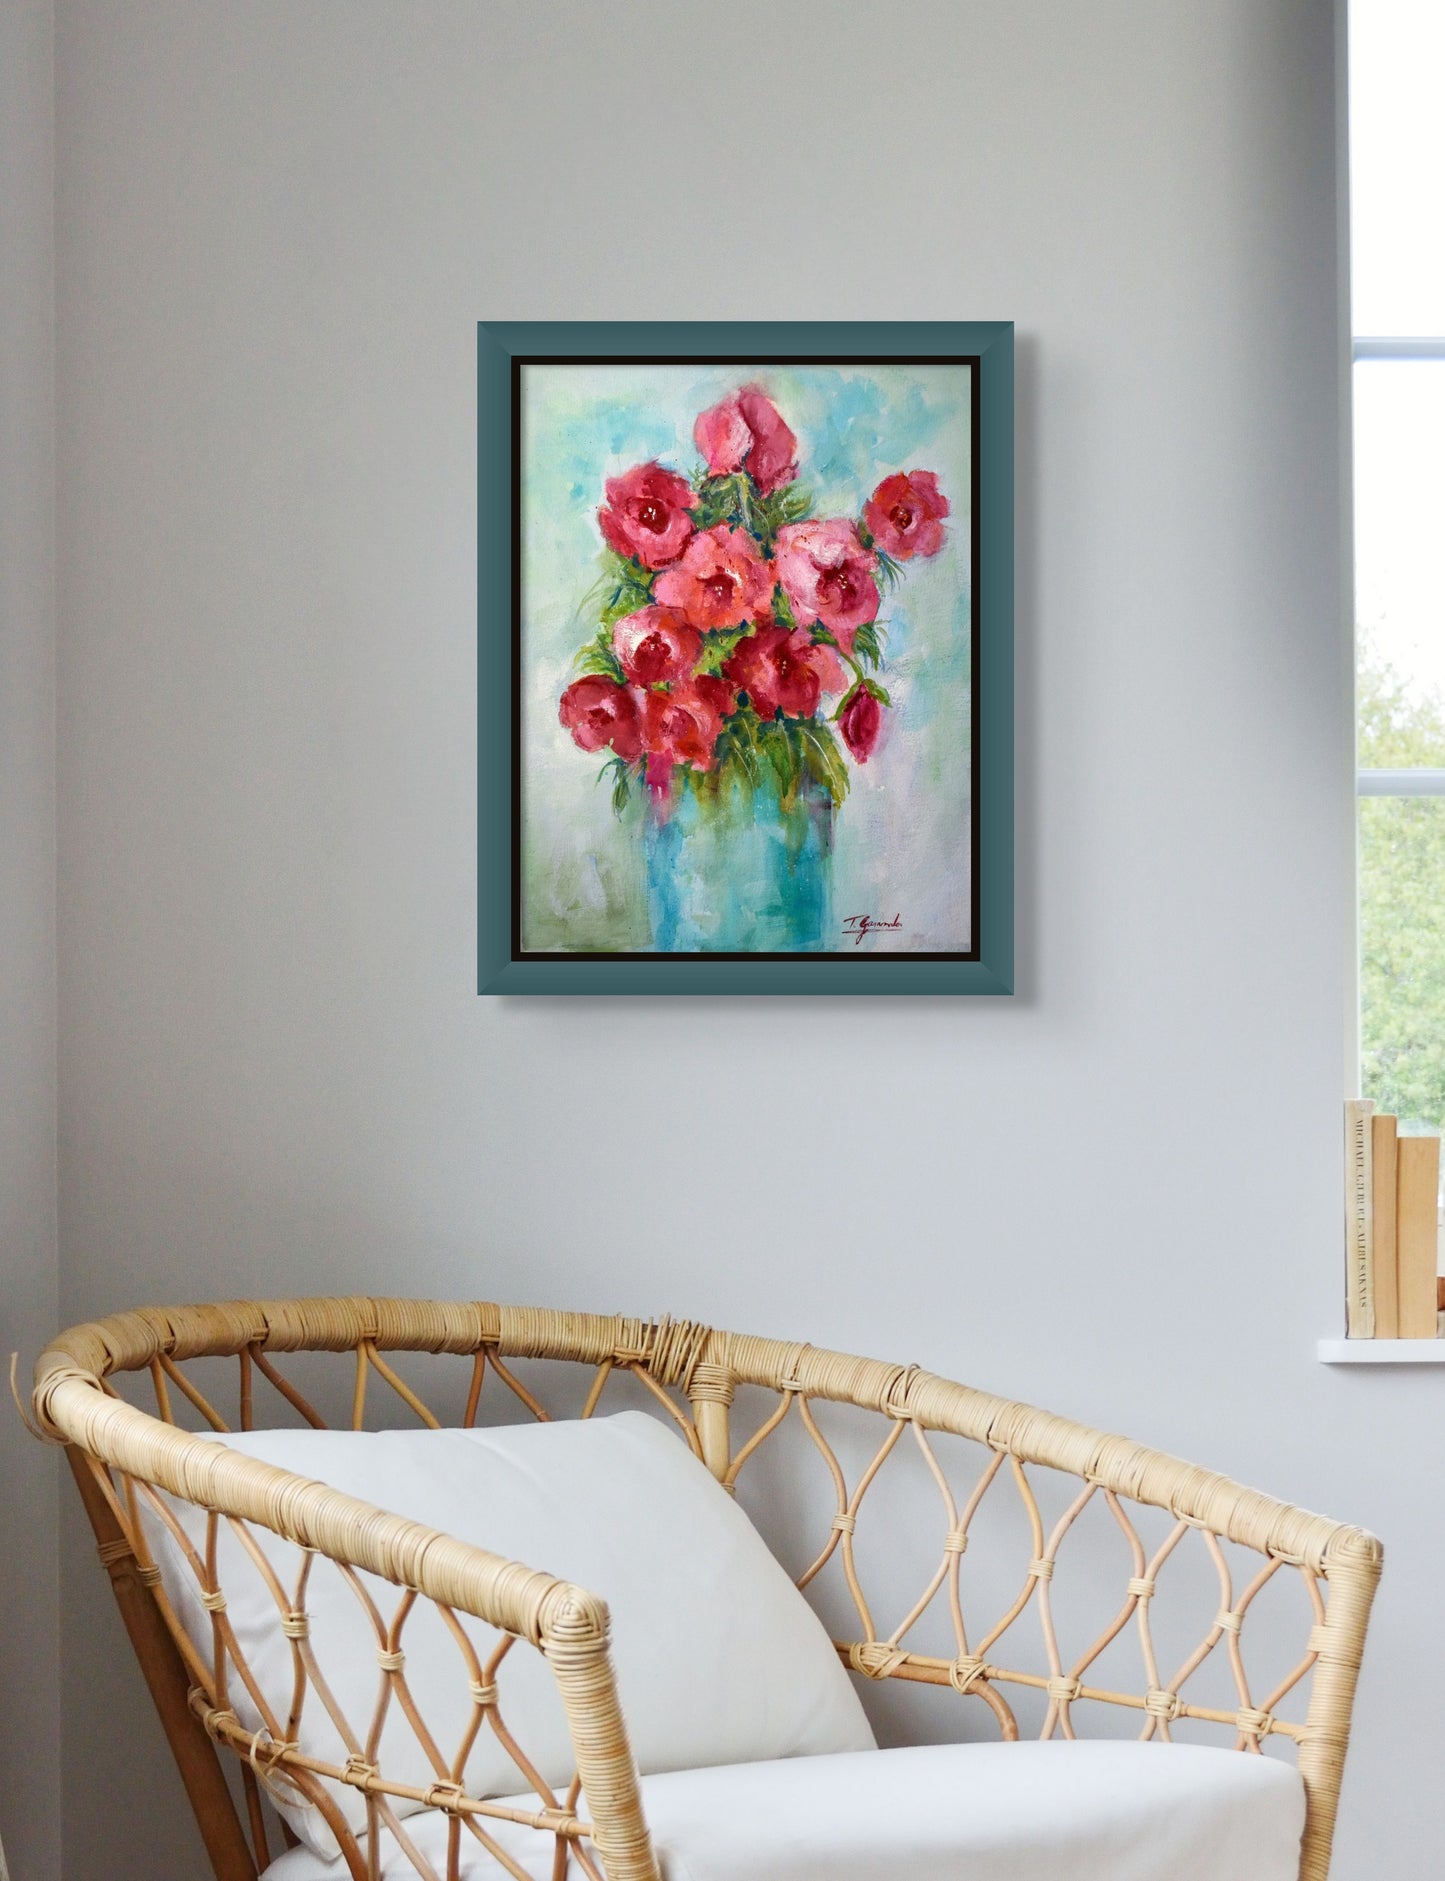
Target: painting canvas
[[746, 657]]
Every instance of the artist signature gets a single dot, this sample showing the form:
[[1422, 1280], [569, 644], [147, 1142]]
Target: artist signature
[[859, 925]]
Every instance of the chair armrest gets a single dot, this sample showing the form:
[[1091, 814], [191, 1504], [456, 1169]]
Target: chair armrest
[[566, 1623]]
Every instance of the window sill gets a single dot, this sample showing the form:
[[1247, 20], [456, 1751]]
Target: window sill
[[1381, 1351]]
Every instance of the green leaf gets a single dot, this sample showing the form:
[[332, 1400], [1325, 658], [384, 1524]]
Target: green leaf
[[891, 570], [624, 776], [625, 571], [868, 643], [822, 758], [781, 755], [860, 685], [739, 757], [738, 767], [624, 587], [736, 500], [718, 646], [620, 603], [791, 504], [598, 657], [721, 500], [783, 611]]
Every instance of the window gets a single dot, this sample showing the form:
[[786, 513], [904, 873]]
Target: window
[[1397, 184]]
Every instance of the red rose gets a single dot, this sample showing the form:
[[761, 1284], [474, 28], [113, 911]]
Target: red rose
[[783, 671], [648, 514], [682, 726], [720, 581], [905, 515], [599, 712], [656, 645], [747, 432], [827, 575], [860, 723]]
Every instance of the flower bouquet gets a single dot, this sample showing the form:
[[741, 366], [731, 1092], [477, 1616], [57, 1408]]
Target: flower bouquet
[[738, 636]]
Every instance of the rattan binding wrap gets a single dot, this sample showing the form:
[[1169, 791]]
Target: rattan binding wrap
[[117, 1449]]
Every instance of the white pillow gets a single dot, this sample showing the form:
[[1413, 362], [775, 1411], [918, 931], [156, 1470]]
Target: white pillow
[[719, 1658]]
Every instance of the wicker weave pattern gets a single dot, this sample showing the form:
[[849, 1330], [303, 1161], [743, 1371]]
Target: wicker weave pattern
[[691, 1374], [972, 1669]]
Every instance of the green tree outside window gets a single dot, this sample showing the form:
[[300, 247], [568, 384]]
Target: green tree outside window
[[1402, 902]]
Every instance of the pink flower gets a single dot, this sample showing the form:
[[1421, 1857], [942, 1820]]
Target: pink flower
[[860, 723], [648, 514], [827, 575], [782, 671], [682, 726], [747, 432], [656, 645], [597, 712], [720, 581], [905, 514]]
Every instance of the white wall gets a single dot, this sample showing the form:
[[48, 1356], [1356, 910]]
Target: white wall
[[1118, 1192], [29, 1601]]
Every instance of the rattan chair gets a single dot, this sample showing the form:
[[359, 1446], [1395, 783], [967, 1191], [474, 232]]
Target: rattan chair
[[739, 1401]]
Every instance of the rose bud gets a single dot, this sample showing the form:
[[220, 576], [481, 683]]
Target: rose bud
[[860, 722], [747, 432]]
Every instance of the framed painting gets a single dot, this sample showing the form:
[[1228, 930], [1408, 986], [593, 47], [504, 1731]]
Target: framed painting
[[745, 621]]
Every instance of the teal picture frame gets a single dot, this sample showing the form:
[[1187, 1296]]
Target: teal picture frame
[[502, 970]]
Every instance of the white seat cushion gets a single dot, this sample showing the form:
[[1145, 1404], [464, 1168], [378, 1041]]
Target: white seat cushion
[[617, 1504], [1093, 1810]]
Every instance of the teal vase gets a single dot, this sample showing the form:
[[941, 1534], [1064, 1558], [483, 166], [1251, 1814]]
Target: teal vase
[[733, 870]]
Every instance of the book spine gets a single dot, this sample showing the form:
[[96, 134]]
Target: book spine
[[1384, 1161], [1359, 1265], [1416, 1211]]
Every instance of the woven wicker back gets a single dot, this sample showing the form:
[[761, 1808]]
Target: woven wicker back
[[1044, 1578]]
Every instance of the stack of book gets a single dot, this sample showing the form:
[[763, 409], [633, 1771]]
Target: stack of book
[[1392, 1185]]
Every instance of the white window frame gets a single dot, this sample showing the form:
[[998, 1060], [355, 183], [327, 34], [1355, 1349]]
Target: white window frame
[[1419, 781]]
